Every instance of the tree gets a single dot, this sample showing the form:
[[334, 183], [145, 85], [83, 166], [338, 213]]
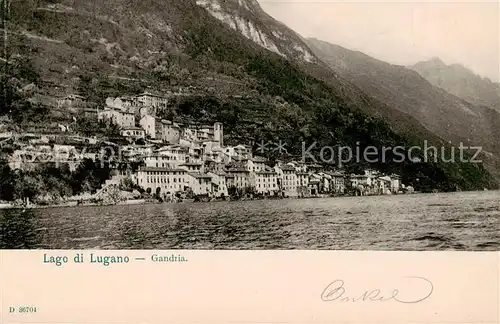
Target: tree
[[89, 176], [26, 186], [232, 191], [6, 181], [128, 185], [249, 190]]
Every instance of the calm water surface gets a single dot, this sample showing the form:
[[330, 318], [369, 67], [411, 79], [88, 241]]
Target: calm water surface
[[452, 221]]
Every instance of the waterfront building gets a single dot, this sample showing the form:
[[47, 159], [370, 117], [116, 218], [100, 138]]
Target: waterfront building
[[303, 184], [230, 181], [240, 177], [219, 183], [326, 182], [200, 184], [162, 180], [384, 185], [287, 180], [314, 184], [395, 183], [360, 179], [338, 184], [265, 181]]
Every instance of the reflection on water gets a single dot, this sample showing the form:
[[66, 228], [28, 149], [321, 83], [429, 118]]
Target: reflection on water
[[455, 221], [19, 229]]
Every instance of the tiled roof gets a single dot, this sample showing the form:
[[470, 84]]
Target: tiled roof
[[220, 173], [153, 169], [152, 94], [257, 158], [238, 169], [287, 168], [132, 128], [199, 175], [334, 174], [239, 158], [265, 172], [359, 176]]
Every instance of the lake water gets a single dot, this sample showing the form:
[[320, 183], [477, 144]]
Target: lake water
[[449, 221]]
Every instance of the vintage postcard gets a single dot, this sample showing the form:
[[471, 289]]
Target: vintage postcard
[[249, 161]]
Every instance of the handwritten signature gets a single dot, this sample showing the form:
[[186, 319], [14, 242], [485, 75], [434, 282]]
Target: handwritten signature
[[336, 291]]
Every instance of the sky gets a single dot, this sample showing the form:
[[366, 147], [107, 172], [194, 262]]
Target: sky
[[402, 32]]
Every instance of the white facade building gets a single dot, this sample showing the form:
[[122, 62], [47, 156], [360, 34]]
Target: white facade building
[[162, 180], [121, 118], [219, 183], [287, 180], [266, 182], [201, 184]]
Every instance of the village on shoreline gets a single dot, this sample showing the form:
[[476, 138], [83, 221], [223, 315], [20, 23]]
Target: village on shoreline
[[162, 161]]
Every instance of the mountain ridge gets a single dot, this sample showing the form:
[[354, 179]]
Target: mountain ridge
[[443, 113], [461, 82], [235, 15]]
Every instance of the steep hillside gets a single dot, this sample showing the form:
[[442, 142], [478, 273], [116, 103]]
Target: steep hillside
[[443, 113], [235, 73], [460, 81], [248, 18]]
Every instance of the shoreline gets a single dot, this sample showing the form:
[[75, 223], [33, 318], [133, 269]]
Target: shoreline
[[145, 202], [8, 206]]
